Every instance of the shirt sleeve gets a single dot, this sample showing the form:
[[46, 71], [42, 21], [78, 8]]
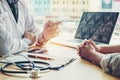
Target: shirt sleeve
[[111, 64], [9, 44]]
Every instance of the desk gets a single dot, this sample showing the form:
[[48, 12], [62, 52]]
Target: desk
[[78, 70]]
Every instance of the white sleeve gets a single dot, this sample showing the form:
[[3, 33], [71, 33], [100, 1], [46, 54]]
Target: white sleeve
[[111, 64], [9, 44]]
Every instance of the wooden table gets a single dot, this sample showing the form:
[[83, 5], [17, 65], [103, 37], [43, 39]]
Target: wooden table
[[78, 70]]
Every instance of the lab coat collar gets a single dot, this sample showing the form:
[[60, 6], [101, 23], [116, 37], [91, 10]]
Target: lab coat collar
[[9, 11]]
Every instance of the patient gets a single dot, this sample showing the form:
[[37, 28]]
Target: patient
[[107, 57]]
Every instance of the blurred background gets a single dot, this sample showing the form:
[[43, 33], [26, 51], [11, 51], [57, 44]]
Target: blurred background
[[70, 11]]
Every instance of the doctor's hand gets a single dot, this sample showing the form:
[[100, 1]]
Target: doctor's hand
[[50, 30]]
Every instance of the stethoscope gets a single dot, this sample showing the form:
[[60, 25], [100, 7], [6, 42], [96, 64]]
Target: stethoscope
[[29, 67], [34, 68]]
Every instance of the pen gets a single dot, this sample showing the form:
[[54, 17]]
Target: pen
[[63, 65], [40, 57], [70, 61], [65, 45]]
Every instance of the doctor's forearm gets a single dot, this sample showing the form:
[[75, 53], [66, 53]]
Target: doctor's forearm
[[9, 44]]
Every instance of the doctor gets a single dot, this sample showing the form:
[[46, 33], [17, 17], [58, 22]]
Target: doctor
[[18, 30]]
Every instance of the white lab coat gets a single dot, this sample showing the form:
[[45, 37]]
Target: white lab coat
[[11, 33]]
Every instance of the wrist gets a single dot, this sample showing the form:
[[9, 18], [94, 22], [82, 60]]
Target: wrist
[[96, 57], [42, 40], [27, 41], [44, 37]]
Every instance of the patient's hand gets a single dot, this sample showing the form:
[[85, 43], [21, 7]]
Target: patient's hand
[[87, 51], [94, 45]]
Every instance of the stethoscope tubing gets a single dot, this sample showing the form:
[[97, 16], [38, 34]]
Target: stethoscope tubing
[[19, 64]]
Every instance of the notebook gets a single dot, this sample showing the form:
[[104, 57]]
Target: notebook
[[98, 26]]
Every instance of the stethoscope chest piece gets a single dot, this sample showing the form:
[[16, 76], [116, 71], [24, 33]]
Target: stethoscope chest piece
[[35, 73]]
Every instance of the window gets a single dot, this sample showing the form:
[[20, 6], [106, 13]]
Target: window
[[54, 2], [73, 2], [76, 2], [63, 2], [83, 2]]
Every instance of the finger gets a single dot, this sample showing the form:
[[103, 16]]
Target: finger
[[85, 44], [57, 23], [49, 23], [79, 50], [85, 41], [52, 32], [82, 44], [53, 28], [88, 46], [78, 47], [92, 43]]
